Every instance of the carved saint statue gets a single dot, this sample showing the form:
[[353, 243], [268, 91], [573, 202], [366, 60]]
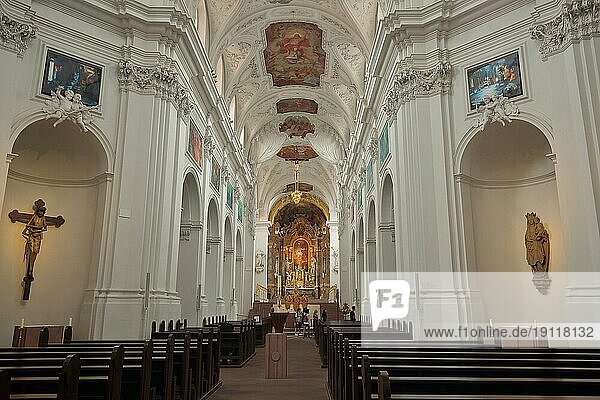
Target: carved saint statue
[[537, 243], [35, 226]]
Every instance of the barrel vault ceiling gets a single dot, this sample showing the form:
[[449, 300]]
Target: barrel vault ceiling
[[282, 58]]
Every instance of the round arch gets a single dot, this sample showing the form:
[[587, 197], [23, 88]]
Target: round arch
[[188, 261], [371, 242], [67, 169], [211, 267], [387, 226], [228, 264], [540, 123]]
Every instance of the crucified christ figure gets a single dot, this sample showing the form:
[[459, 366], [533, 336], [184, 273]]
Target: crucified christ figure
[[35, 226]]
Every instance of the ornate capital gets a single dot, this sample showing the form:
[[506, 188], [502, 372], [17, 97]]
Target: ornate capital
[[373, 147], [410, 83], [225, 171], [208, 146], [578, 19], [158, 79], [15, 35]]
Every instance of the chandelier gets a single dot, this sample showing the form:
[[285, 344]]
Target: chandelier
[[296, 194]]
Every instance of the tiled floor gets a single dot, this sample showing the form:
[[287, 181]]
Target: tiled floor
[[306, 379]]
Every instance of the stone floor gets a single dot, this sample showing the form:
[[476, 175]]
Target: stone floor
[[306, 379]]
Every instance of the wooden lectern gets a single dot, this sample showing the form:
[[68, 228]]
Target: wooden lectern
[[276, 348]]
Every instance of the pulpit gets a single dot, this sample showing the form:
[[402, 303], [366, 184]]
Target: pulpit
[[276, 348]]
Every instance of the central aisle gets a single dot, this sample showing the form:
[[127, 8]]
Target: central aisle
[[306, 379]]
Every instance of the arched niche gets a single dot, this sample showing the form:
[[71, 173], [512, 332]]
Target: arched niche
[[239, 268], [505, 173], [353, 270], [387, 227], [360, 256], [228, 264], [68, 170], [371, 243], [188, 264], [211, 269]]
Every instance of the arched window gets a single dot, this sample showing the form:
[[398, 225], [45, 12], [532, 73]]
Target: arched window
[[232, 112], [220, 76], [202, 21]]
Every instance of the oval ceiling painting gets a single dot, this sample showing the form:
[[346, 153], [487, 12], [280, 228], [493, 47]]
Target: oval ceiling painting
[[297, 105], [296, 126], [294, 54], [297, 153]]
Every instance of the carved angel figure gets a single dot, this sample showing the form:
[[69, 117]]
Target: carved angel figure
[[496, 109], [68, 106]]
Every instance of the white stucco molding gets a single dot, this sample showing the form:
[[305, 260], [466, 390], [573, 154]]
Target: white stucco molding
[[15, 35], [161, 78], [577, 20], [410, 83]]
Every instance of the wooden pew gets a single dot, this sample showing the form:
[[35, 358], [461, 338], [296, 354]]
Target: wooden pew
[[543, 376], [238, 341], [102, 374]]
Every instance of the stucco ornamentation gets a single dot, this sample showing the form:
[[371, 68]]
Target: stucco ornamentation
[[15, 35], [410, 83], [158, 79], [578, 19]]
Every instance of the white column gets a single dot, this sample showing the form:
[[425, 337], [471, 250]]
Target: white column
[[262, 244]]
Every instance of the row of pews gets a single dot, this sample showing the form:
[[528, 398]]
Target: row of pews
[[238, 340], [182, 366], [388, 366]]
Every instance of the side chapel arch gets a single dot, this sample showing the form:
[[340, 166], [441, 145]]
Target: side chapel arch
[[68, 170]]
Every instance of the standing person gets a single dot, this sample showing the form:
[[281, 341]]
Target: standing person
[[353, 314], [305, 323], [324, 315], [298, 321]]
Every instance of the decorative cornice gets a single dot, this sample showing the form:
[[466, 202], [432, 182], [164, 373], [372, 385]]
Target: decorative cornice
[[578, 19], [158, 79], [64, 183], [504, 184], [15, 35], [10, 157], [410, 83]]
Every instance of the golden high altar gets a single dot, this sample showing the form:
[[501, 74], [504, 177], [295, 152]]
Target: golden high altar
[[298, 260]]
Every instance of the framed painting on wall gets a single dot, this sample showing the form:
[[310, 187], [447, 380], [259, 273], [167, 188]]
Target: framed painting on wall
[[195, 144], [240, 211], [384, 144], [499, 76], [71, 73], [215, 175], [229, 195]]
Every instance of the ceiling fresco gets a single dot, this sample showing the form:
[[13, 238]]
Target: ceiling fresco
[[297, 105], [292, 58], [295, 54], [297, 153], [296, 126]]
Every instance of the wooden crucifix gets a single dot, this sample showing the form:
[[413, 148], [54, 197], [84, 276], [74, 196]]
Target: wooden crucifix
[[35, 226]]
